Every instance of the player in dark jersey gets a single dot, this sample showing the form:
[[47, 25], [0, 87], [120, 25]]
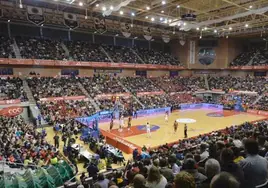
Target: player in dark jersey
[[129, 123], [175, 126]]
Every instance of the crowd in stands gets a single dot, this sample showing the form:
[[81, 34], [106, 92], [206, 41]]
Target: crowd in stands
[[262, 104], [229, 83], [180, 84], [22, 145], [157, 57], [64, 110], [85, 51], [12, 88], [120, 54], [43, 87], [139, 84], [36, 48], [6, 49], [252, 57], [33, 48], [101, 84]]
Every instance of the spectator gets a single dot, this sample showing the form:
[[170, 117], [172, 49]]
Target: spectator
[[184, 180], [139, 181], [254, 166], [165, 171], [212, 168], [102, 182], [224, 180], [191, 167], [228, 165], [155, 179]]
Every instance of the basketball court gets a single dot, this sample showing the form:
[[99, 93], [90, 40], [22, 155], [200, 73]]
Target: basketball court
[[207, 120]]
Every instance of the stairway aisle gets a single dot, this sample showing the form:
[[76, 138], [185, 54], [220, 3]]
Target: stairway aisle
[[92, 101]]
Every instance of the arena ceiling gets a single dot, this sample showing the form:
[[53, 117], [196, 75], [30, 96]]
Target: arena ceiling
[[219, 18]]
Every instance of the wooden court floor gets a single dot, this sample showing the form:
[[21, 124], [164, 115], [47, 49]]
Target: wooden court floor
[[165, 132]]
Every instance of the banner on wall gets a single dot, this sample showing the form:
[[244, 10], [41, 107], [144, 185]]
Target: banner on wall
[[192, 52], [110, 95], [100, 24], [126, 29], [63, 98], [108, 71], [147, 33], [70, 20], [35, 15], [12, 101]]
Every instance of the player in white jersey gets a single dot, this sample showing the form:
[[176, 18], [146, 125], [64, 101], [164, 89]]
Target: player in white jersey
[[166, 117], [121, 123], [148, 129]]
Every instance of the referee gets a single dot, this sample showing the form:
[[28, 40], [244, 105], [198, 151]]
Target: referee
[[185, 131]]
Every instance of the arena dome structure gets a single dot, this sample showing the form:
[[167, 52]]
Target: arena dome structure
[[94, 92]]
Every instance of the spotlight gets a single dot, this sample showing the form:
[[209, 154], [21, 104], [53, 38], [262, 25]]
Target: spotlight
[[230, 28], [246, 25], [121, 12], [197, 28], [163, 2], [152, 19], [178, 6], [104, 8], [161, 19], [146, 17], [97, 5], [200, 36], [162, 11], [250, 6], [148, 8], [132, 14], [21, 6], [8, 20], [111, 8], [215, 31], [184, 23], [81, 4]]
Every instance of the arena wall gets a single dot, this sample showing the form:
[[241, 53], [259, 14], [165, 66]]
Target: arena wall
[[49, 71]]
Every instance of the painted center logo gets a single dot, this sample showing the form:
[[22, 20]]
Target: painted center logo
[[143, 127], [215, 114]]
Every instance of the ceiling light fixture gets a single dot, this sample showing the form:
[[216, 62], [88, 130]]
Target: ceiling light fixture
[[146, 17], [81, 4], [8, 20], [246, 25], [162, 11], [163, 2], [250, 6], [205, 28], [215, 31], [230, 28], [111, 7], [148, 8], [184, 23], [200, 36], [121, 12], [97, 5], [104, 8], [161, 19], [178, 6], [152, 19], [197, 28], [227, 36], [132, 14]]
